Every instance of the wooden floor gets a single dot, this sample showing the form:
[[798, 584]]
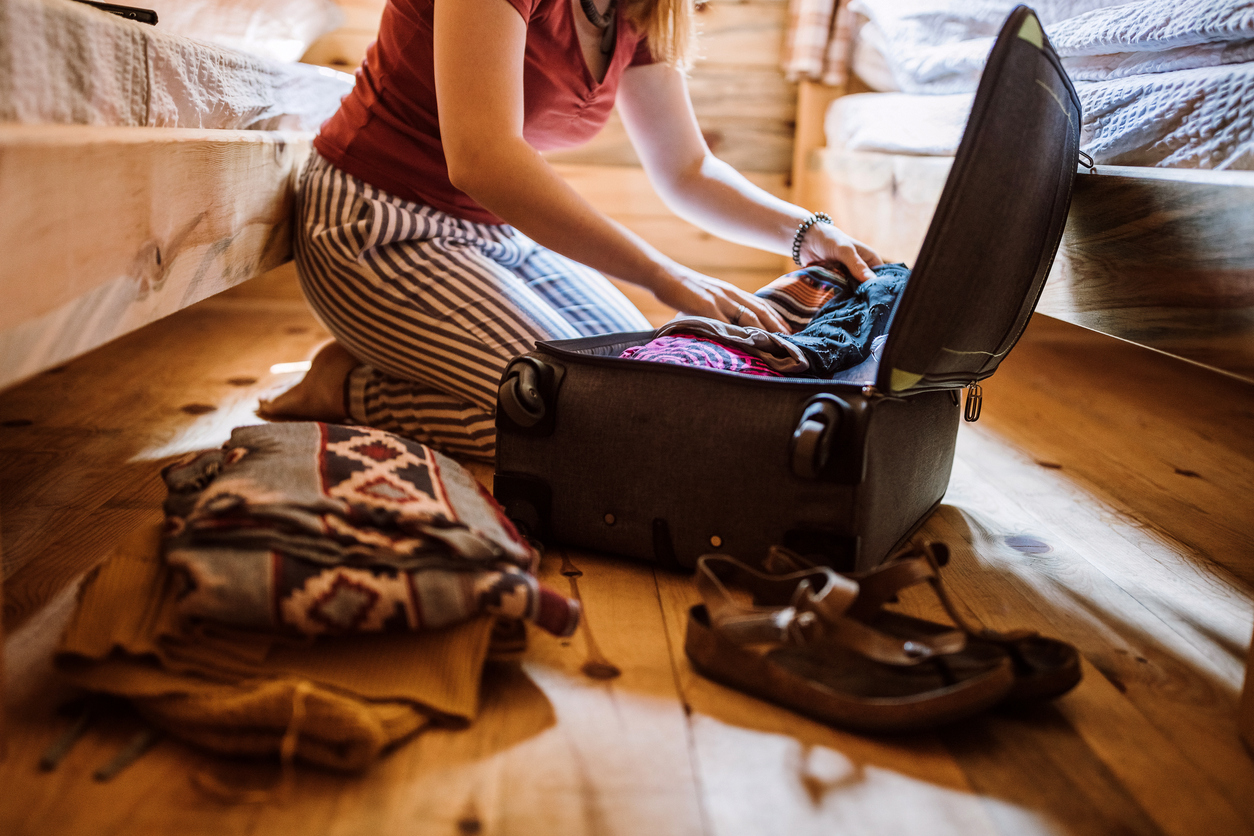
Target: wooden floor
[[1106, 497]]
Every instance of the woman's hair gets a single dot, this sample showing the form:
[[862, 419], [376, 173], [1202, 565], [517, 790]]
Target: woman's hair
[[670, 27]]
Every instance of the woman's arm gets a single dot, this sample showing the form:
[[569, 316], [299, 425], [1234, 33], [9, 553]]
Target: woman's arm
[[479, 48], [699, 187]]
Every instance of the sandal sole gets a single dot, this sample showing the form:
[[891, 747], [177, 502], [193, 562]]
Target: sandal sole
[[769, 677]]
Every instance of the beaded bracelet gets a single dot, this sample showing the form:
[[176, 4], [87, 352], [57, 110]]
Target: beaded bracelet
[[802, 229]]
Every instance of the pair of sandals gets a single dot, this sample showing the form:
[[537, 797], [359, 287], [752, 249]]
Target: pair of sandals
[[823, 645]]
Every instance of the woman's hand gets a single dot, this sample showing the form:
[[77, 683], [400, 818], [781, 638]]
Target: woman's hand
[[700, 295], [826, 244]]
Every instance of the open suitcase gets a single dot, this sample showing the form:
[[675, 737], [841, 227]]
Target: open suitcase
[[665, 463]]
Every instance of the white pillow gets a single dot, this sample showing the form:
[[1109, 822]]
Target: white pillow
[[869, 62], [277, 29]]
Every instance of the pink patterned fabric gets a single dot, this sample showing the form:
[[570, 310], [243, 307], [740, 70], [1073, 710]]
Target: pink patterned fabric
[[688, 350]]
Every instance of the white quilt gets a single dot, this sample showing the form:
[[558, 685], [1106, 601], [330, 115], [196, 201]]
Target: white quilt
[[67, 63], [898, 123], [1198, 118], [939, 46], [278, 29], [1153, 26], [1162, 82]]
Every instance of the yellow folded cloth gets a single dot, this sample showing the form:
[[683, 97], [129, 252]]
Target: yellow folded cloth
[[346, 700]]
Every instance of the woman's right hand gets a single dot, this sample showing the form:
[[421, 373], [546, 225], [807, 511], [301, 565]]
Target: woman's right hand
[[696, 294]]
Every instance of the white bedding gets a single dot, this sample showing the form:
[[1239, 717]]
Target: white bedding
[[898, 123], [277, 29], [939, 46], [67, 63], [1198, 118], [1162, 82]]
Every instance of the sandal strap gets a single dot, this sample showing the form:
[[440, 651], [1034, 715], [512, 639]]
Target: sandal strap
[[920, 565], [881, 585], [854, 635], [778, 600], [781, 561], [815, 613], [906, 569]]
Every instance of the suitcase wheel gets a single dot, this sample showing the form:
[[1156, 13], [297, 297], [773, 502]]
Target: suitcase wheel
[[520, 396], [811, 445], [524, 517]]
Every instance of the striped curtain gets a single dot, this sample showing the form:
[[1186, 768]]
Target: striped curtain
[[819, 41]]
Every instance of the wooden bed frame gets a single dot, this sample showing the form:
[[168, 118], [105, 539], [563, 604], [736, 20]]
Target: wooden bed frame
[[1159, 257], [106, 229]]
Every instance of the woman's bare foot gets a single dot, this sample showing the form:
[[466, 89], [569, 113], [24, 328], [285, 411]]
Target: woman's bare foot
[[320, 394]]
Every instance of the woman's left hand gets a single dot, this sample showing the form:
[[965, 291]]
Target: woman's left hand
[[825, 243]]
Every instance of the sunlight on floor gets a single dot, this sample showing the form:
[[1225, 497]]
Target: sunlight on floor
[[212, 429], [846, 778]]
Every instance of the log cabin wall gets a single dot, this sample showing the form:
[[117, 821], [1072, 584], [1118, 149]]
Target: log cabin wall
[[744, 105]]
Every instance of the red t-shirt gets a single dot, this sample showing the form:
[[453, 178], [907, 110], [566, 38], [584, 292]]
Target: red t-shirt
[[387, 133]]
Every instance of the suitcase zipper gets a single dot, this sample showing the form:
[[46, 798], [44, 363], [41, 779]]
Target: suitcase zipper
[[975, 402]]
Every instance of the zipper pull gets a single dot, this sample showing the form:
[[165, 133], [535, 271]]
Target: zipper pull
[[975, 402]]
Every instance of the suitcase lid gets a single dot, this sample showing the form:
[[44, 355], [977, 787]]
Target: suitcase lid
[[998, 224]]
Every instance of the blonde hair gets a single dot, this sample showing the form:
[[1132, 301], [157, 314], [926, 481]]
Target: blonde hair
[[670, 26]]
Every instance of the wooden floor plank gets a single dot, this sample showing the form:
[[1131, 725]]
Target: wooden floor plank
[[4, 702], [765, 770], [1176, 790], [1030, 762], [1065, 512], [1200, 603], [85, 442], [1185, 452], [617, 760]]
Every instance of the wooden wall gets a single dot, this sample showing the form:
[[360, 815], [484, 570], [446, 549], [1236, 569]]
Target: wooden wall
[[745, 107]]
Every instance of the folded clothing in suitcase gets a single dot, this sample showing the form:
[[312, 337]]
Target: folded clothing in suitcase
[[833, 338], [666, 463]]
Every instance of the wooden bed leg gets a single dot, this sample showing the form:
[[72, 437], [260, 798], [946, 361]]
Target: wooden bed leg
[[1245, 712], [4, 729], [812, 101]]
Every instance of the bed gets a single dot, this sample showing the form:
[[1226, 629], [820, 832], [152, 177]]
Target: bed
[[1159, 247], [145, 168]]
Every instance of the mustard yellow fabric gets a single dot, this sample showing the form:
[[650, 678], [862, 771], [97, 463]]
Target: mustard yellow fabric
[[234, 692]]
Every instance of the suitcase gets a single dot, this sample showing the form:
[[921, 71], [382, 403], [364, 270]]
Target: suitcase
[[665, 463]]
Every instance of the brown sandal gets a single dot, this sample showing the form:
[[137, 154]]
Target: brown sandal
[[797, 646], [1044, 667]]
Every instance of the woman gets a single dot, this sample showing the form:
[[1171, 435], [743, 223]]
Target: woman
[[435, 243]]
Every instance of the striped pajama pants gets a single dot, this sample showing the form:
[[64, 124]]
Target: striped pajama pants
[[435, 306]]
